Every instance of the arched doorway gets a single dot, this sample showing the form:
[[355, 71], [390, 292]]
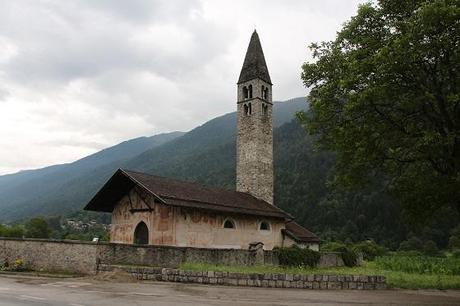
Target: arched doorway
[[141, 234]]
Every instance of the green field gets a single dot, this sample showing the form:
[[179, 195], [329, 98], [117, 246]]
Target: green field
[[417, 272]]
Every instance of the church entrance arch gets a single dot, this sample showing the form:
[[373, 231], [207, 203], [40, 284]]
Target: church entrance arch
[[141, 234]]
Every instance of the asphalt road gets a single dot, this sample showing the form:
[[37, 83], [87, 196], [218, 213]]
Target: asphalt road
[[33, 291]]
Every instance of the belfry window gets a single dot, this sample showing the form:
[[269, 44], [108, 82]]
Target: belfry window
[[245, 92], [264, 109], [250, 91], [229, 223], [264, 93]]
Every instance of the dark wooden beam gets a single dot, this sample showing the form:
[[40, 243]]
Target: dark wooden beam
[[135, 210]]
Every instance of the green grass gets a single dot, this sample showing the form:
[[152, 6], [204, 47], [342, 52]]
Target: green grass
[[420, 264], [395, 279]]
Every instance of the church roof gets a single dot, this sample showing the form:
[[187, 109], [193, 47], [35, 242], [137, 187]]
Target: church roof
[[183, 194], [254, 65], [300, 233]]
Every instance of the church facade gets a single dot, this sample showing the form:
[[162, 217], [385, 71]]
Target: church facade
[[155, 210]]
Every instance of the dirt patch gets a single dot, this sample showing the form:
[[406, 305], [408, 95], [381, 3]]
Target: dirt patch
[[115, 276]]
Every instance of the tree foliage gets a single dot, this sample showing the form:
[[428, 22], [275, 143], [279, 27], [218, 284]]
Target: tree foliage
[[385, 96], [37, 228]]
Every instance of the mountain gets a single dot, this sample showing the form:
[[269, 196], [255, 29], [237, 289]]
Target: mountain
[[44, 191], [62, 189]]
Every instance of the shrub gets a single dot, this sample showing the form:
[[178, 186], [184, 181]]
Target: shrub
[[454, 242], [332, 246], [412, 244], [369, 249], [430, 248], [297, 257], [18, 265], [405, 253], [456, 253], [349, 257]]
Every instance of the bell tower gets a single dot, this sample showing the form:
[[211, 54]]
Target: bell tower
[[254, 142]]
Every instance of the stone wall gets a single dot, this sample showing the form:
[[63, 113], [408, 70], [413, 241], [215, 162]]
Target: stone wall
[[172, 257], [270, 280], [84, 257], [51, 255], [254, 142]]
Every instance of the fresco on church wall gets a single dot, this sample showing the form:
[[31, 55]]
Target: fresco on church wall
[[176, 226]]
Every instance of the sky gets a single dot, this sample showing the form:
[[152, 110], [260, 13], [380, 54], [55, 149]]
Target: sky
[[77, 76]]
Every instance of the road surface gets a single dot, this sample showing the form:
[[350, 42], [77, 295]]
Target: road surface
[[36, 291]]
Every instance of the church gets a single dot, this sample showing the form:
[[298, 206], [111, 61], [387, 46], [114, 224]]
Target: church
[[154, 210]]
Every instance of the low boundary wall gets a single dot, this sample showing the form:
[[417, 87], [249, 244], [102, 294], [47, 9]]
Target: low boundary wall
[[84, 257], [267, 280]]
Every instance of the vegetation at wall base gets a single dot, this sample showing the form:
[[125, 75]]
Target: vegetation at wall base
[[297, 257], [349, 256]]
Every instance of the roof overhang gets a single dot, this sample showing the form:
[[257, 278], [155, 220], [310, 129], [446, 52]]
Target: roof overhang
[[113, 191]]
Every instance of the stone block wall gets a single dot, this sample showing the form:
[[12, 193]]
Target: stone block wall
[[172, 257], [267, 280], [85, 257], [51, 255]]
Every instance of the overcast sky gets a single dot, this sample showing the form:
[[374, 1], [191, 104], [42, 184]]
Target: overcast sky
[[79, 76]]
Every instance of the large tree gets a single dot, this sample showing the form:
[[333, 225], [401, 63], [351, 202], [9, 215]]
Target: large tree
[[385, 96]]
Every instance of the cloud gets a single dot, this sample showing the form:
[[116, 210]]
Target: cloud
[[76, 76]]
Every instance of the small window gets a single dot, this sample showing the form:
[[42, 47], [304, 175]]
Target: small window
[[264, 226], [265, 94], [262, 92], [246, 110], [228, 223], [250, 91], [264, 109], [245, 92], [249, 109]]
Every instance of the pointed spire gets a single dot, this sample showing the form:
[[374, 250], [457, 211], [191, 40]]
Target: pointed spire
[[254, 65]]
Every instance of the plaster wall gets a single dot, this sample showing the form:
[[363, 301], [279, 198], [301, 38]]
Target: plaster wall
[[160, 221], [202, 229], [175, 226]]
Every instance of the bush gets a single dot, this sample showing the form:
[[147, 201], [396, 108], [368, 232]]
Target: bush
[[456, 253], [430, 248], [18, 265], [349, 257], [412, 244], [37, 228], [405, 253], [454, 242], [332, 246], [15, 231], [369, 249], [297, 257]]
